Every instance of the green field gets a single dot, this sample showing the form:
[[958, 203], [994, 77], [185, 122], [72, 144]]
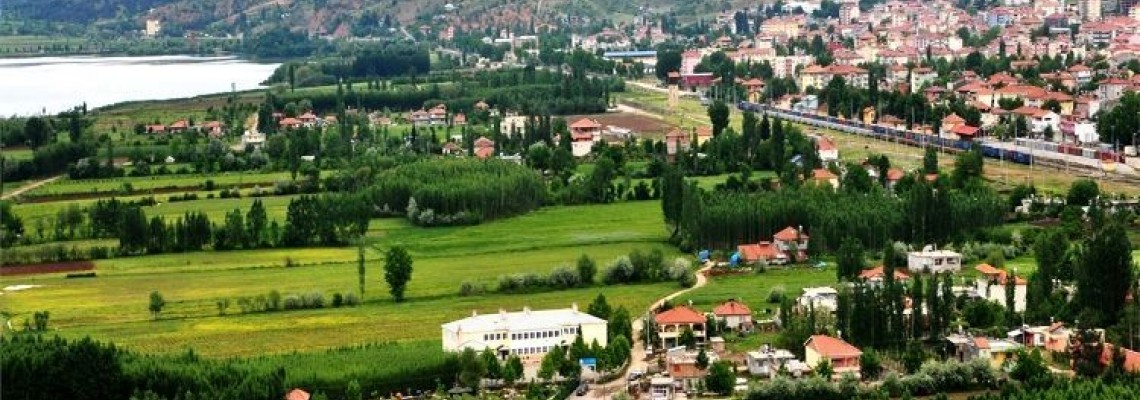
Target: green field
[[67, 186], [114, 305]]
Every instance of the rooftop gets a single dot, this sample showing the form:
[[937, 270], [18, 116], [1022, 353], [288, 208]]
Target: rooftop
[[523, 320]]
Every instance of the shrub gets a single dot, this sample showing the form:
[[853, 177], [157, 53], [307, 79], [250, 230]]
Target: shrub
[[292, 302], [621, 271], [920, 384], [521, 283], [893, 385], [470, 289], [337, 300], [563, 278], [776, 295], [351, 300]]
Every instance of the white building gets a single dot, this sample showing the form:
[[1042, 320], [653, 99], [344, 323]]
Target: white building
[[528, 334], [933, 261], [991, 285], [767, 361], [820, 297], [252, 138], [1090, 10], [512, 124]]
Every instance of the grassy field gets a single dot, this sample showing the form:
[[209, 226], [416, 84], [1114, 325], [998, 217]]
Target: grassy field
[[66, 186], [114, 305]]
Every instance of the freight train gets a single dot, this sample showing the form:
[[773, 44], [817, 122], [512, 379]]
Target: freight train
[[1023, 152]]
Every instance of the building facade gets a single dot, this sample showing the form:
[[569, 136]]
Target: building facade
[[529, 334]]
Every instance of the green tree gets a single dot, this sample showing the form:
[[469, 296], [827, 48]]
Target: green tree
[[702, 359], [157, 303], [1104, 275], [687, 338], [870, 365], [37, 132], [672, 193], [599, 307], [620, 325], [1082, 192], [824, 370], [930, 161], [353, 392], [360, 267], [718, 115], [913, 357], [551, 363], [256, 224], [850, 259], [587, 270], [1120, 125], [471, 369], [493, 369], [513, 370], [600, 184], [720, 379], [397, 271], [856, 179], [1030, 367]]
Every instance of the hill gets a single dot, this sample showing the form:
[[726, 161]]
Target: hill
[[336, 17]]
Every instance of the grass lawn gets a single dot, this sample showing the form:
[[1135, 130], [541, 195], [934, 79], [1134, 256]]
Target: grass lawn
[[114, 305]]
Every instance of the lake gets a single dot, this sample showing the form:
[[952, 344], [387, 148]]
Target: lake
[[34, 85]]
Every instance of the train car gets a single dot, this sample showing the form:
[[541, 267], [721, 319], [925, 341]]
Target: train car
[[1089, 153], [991, 151]]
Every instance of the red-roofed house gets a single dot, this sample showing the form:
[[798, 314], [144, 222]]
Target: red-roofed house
[[763, 251], [823, 176], [792, 240], [734, 315], [584, 133], [297, 394], [459, 119], [876, 275], [179, 126], [159, 128], [964, 132], [672, 322], [290, 123], [213, 128], [484, 148], [843, 356], [676, 141], [828, 152], [308, 119]]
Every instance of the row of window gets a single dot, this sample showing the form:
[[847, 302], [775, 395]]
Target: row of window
[[530, 335], [531, 350]]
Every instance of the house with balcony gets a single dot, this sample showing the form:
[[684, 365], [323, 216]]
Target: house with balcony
[[671, 323], [734, 315], [768, 361], [933, 261], [583, 134]]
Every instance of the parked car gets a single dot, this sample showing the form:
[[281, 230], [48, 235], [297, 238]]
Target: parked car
[[582, 389]]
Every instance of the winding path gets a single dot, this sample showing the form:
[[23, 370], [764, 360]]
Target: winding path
[[29, 186], [638, 359]]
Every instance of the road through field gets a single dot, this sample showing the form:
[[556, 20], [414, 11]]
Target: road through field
[[30, 186]]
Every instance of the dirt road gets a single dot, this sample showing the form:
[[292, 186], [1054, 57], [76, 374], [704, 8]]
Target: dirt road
[[29, 186]]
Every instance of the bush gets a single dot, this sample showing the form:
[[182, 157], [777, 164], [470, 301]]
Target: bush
[[776, 295], [351, 300], [893, 385], [470, 289], [621, 271], [563, 278], [337, 300], [521, 283]]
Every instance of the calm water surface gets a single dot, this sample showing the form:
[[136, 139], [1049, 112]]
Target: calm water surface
[[52, 84]]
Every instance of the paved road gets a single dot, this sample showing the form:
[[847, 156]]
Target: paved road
[[29, 186], [638, 359]]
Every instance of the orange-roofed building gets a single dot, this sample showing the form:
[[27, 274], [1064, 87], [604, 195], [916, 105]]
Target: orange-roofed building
[[179, 126], [484, 148], [671, 323], [828, 152], [704, 134], [290, 123], [676, 142], [734, 315], [844, 357], [964, 132], [876, 276], [823, 176], [297, 394], [584, 133], [792, 241], [764, 251]]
